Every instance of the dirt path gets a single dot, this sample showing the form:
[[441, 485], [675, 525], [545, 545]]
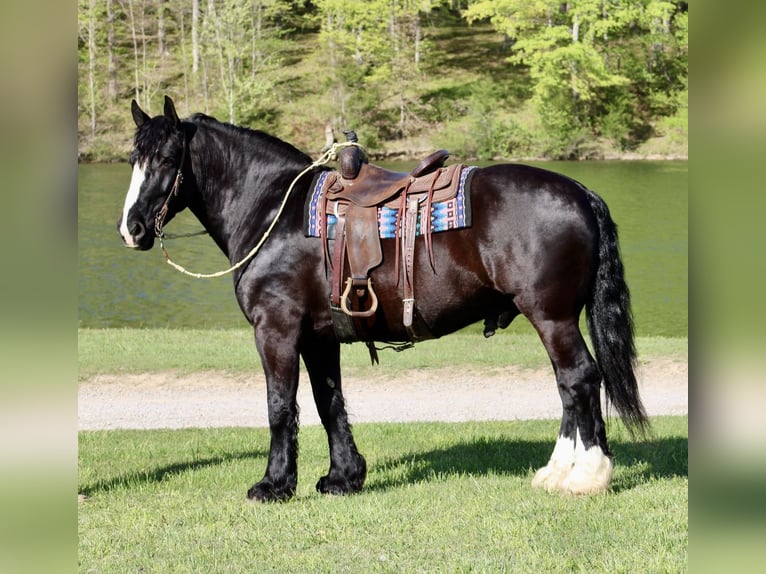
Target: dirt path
[[166, 400]]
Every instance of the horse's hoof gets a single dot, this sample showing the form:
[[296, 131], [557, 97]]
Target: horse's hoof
[[591, 476], [337, 483], [266, 491], [549, 478], [338, 486]]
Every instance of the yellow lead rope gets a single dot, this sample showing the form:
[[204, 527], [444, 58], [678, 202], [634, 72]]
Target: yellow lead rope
[[329, 155]]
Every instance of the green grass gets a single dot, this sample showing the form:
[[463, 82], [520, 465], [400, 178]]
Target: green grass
[[439, 498], [191, 350]]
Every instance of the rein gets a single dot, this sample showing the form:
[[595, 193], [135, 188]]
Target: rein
[[329, 155]]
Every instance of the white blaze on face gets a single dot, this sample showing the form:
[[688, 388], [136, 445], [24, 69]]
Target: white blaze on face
[[135, 187]]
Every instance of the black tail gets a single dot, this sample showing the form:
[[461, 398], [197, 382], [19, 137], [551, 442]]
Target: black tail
[[610, 324]]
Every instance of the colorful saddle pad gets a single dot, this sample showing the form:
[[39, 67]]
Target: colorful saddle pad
[[454, 213]]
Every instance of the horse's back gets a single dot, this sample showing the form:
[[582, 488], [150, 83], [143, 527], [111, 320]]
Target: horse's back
[[515, 193], [531, 244], [536, 215]]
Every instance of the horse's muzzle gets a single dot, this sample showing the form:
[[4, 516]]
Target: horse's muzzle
[[136, 236]]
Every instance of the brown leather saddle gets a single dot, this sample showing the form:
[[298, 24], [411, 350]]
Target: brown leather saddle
[[353, 195]]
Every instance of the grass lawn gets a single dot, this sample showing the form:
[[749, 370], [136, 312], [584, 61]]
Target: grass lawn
[[439, 498], [191, 350]]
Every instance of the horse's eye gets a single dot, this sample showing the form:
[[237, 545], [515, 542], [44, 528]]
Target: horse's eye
[[167, 162]]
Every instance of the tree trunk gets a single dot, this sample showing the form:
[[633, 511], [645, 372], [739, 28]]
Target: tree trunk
[[134, 38], [225, 63], [184, 66], [162, 50], [111, 86], [402, 109], [338, 92], [256, 37], [576, 29], [144, 60], [573, 68], [92, 63], [418, 33], [195, 36]]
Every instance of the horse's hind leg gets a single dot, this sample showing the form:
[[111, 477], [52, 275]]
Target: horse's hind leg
[[348, 468], [580, 463]]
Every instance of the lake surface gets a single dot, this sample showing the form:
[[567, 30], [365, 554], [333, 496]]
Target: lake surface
[[122, 288]]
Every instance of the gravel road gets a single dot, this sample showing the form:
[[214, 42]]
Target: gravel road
[[167, 400]]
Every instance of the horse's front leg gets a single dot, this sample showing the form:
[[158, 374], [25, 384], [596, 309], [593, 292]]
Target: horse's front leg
[[279, 355], [348, 469]]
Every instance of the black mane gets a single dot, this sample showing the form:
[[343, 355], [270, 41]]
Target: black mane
[[264, 143], [153, 133]]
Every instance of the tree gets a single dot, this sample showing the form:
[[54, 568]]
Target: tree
[[88, 31], [195, 36], [110, 47], [378, 46], [595, 69], [578, 53]]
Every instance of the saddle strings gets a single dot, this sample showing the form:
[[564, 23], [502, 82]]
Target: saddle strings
[[330, 155]]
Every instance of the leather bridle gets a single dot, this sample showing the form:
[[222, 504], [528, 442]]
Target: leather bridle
[[159, 218]]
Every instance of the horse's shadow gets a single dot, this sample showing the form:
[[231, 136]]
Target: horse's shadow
[[635, 462], [157, 475]]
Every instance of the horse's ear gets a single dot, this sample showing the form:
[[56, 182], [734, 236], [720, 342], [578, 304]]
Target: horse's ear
[[139, 116], [170, 110]]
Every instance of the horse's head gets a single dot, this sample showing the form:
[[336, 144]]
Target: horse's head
[[158, 158]]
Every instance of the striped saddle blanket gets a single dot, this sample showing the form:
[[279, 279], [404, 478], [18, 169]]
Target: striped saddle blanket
[[452, 213]]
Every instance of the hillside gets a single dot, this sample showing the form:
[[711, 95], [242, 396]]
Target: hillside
[[408, 82]]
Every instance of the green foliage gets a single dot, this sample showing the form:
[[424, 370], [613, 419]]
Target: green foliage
[[598, 69], [584, 70], [486, 129], [373, 54]]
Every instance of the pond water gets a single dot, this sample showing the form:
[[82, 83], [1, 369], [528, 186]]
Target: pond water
[[122, 288]]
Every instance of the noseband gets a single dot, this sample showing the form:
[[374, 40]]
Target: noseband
[[159, 219]]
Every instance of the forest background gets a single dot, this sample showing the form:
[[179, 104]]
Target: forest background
[[486, 79]]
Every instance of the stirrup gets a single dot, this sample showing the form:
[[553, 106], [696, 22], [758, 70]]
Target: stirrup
[[373, 303]]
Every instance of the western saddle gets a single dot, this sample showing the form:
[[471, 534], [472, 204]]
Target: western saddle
[[353, 195]]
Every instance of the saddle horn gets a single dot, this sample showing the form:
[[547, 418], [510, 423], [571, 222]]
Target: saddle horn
[[352, 157]]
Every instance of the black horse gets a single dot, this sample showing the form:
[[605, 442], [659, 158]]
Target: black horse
[[540, 244]]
